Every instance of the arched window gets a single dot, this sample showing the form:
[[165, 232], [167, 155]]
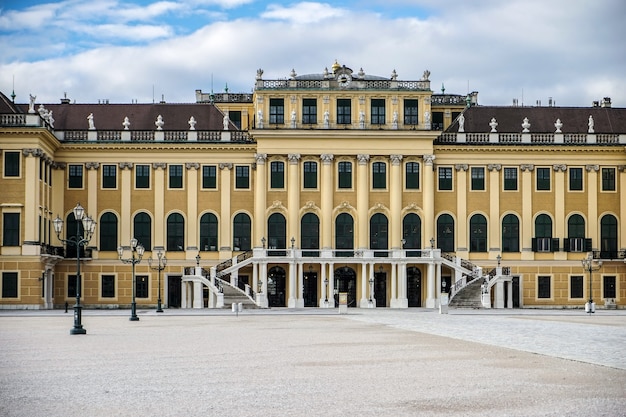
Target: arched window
[[242, 227], [543, 234], [142, 226], [108, 232], [277, 234], [445, 233], [510, 233], [208, 232], [608, 237], [344, 234], [412, 233], [379, 227], [478, 233], [73, 228], [175, 232], [576, 226], [310, 234]]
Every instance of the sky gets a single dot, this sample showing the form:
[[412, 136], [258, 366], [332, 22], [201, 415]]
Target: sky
[[144, 50]]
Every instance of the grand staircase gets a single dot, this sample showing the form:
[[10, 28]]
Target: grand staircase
[[235, 295], [469, 296]]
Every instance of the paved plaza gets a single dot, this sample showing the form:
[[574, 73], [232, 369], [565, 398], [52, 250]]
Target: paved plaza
[[314, 362]]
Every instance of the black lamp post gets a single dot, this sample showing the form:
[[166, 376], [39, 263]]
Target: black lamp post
[[588, 265], [136, 248], [80, 240], [198, 259], [162, 262]]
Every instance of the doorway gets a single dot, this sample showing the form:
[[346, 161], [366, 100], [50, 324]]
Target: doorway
[[345, 281], [310, 289], [414, 286], [174, 291], [276, 287], [380, 289]]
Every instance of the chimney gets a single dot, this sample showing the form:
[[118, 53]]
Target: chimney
[[595, 103], [606, 102], [549, 101]]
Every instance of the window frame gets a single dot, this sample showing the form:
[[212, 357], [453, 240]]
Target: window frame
[[173, 178], [277, 111], [139, 171], [73, 179], [571, 174], [608, 181], [277, 175], [109, 177], [478, 233], [510, 181], [544, 287], [344, 111], [411, 114], [309, 177], [541, 182], [477, 183], [12, 164], [377, 111], [412, 175], [142, 286], [209, 182], [379, 175], [242, 177], [109, 288], [309, 111], [14, 287], [576, 288], [344, 177], [609, 291], [11, 225], [445, 182], [209, 232]]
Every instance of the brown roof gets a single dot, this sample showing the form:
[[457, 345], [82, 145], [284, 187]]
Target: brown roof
[[7, 106], [608, 120], [140, 116]]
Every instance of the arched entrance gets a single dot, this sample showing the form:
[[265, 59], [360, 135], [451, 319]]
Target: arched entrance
[[414, 286], [276, 287], [345, 281]]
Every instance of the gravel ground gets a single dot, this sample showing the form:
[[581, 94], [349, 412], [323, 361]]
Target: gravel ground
[[283, 365]]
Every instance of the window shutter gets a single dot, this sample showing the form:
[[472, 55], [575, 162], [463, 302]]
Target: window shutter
[[588, 245], [566, 244], [555, 244], [534, 244]]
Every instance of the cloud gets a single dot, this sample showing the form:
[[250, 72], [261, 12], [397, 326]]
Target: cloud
[[303, 13]]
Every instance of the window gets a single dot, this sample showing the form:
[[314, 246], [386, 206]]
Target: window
[[478, 178], [543, 287], [510, 179], [445, 233], [277, 174], [277, 234], [478, 233], [109, 176], [510, 233], [412, 233], [310, 174], [445, 178], [608, 237], [576, 283], [379, 175], [412, 175], [543, 179], [575, 179], [379, 239], [309, 111], [344, 111], [543, 234], [107, 286], [108, 232], [242, 177], [437, 122], [344, 234], [345, 174], [310, 234], [71, 286], [235, 117], [608, 179], [576, 241], [241, 232], [9, 285], [75, 179], [176, 176], [142, 176], [141, 286], [208, 232], [12, 164], [608, 287], [175, 232], [143, 230], [378, 111], [10, 229], [277, 111], [209, 177], [410, 112]]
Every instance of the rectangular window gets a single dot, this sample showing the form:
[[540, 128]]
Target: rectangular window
[[510, 179], [378, 111], [235, 117], [108, 286], [412, 175], [576, 179], [109, 176], [209, 177], [543, 179], [277, 174], [379, 175], [242, 177], [309, 111], [141, 286], [608, 287], [608, 179], [10, 229], [71, 286], [176, 176], [75, 176], [576, 283], [277, 111], [410, 112], [142, 176], [9, 285], [310, 174], [478, 178], [12, 164], [543, 287], [445, 178], [344, 111], [437, 120], [345, 174]]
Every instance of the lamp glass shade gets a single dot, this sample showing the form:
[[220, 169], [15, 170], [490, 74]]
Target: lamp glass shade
[[58, 225], [79, 212], [140, 249], [120, 251]]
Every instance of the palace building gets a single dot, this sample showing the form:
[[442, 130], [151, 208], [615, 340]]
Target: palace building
[[314, 189]]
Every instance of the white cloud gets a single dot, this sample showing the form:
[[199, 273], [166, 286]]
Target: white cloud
[[303, 13]]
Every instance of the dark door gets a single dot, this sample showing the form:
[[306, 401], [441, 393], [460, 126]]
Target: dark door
[[310, 289], [173, 291], [446, 284], [515, 292], [380, 289], [345, 281], [276, 287], [414, 286]]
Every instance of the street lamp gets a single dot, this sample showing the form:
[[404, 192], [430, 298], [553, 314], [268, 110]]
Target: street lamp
[[499, 258], [326, 291], [198, 259], [80, 240], [432, 243], [162, 262], [588, 265], [136, 248], [263, 240], [293, 242]]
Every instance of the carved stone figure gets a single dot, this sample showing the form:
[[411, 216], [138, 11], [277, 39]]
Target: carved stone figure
[[50, 119], [159, 122], [31, 104], [260, 119], [590, 125], [192, 123], [326, 120], [461, 123], [225, 121], [126, 123], [525, 125], [558, 125], [90, 121], [493, 124]]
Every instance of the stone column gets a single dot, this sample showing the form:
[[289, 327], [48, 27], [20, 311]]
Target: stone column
[[395, 201], [622, 206], [198, 299], [461, 211], [31, 198], [326, 201], [192, 209], [126, 191], [592, 204], [159, 209], [92, 187], [394, 287], [526, 224], [494, 210], [560, 226], [225, 233], [363, 303], [362, 200], [429, 200], [291, 302], [430, 274], [331, 285], [293, 196], [300, 284]]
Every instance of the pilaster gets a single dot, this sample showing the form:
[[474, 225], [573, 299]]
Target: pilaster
[[225, 213], [494, 209], [527, 210], [429, 199], [326, 200], [192, 208], [362, 199], [159, 208], [592, 204], [126, 170], [461, 210], [560, 228], [293, 196], [395, 201], [260, 198]]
